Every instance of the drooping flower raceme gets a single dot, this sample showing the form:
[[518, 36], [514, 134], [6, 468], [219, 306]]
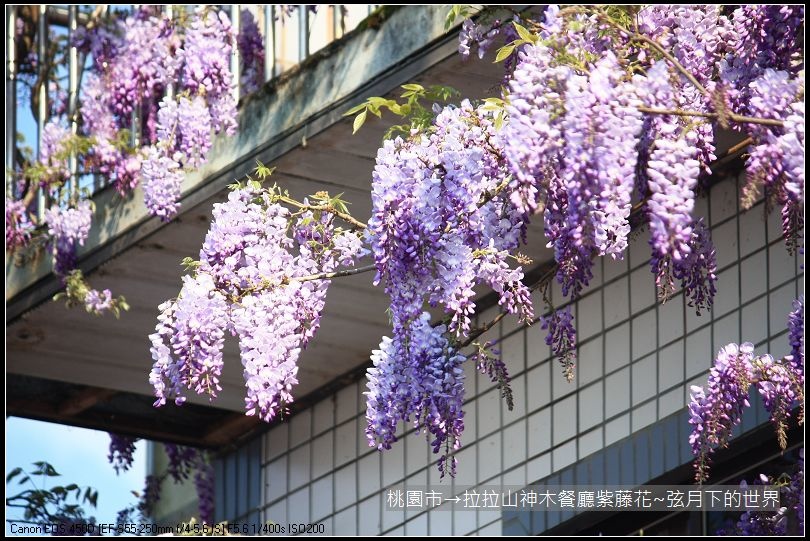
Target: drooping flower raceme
[[440, 222], [473, 34], [698, 270], [796, 337], [162, 178], [776, 162], [251, 50], [121, 450], [143, 62], [208, 44], [182, 461], [760, 37], [532, 139], [716, 410], [187, 346], [52, 150], [673, 172], [600, 127], [419, 380], [562, 338], [247, 283], [204, 480], [68, 227]]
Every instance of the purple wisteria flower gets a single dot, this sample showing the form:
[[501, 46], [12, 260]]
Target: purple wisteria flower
[[18, 225], [796, 337], [251, 50], [432, 237], [187, 344], [68, 227], [532, 141], [204, 481], [698, 270], [562, 337], [182, 461], [714, 412], [478, 35], [672, 171], [98, 301], [162, 178], [121, 450], [247, 283], [417, 379]]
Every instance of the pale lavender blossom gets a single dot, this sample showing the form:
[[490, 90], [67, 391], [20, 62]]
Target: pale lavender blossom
[[98, 301]]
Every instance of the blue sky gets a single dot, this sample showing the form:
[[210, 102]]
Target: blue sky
[[80, 455]]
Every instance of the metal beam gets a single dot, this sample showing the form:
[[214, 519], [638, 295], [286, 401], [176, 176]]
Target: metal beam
[[303, 32], [269, 41], [73, 96], [42, 110], [58, 15], [236, 68], [11, 97]]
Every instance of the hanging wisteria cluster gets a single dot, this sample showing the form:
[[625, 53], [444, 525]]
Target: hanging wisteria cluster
[[716, 410], [256, 279], [608, 119], [183, 462], [156, 90], [788, 519]]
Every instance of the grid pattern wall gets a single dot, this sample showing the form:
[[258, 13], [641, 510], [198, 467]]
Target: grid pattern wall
[[237, 490], [636, 361]]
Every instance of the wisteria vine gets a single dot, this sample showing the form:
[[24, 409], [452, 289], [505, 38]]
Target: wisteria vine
[[183, 463], [158, 87], [608, 119]]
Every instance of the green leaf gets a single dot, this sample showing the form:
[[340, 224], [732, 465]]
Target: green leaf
[[414, 87], [354, 110], [504, 52], [12, 474], [358, 122], [262, 171], [451, 16], [525, 34], [380, 102]]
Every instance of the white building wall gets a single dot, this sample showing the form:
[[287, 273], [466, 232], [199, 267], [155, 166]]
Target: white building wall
[[636, 361]]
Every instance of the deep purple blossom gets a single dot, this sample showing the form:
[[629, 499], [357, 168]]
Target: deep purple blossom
[[182, 461], [204, 482], [251, 50], [433, 239], [417, 377], [796, 337], [714, 412], [121, 450], [562, 337]]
